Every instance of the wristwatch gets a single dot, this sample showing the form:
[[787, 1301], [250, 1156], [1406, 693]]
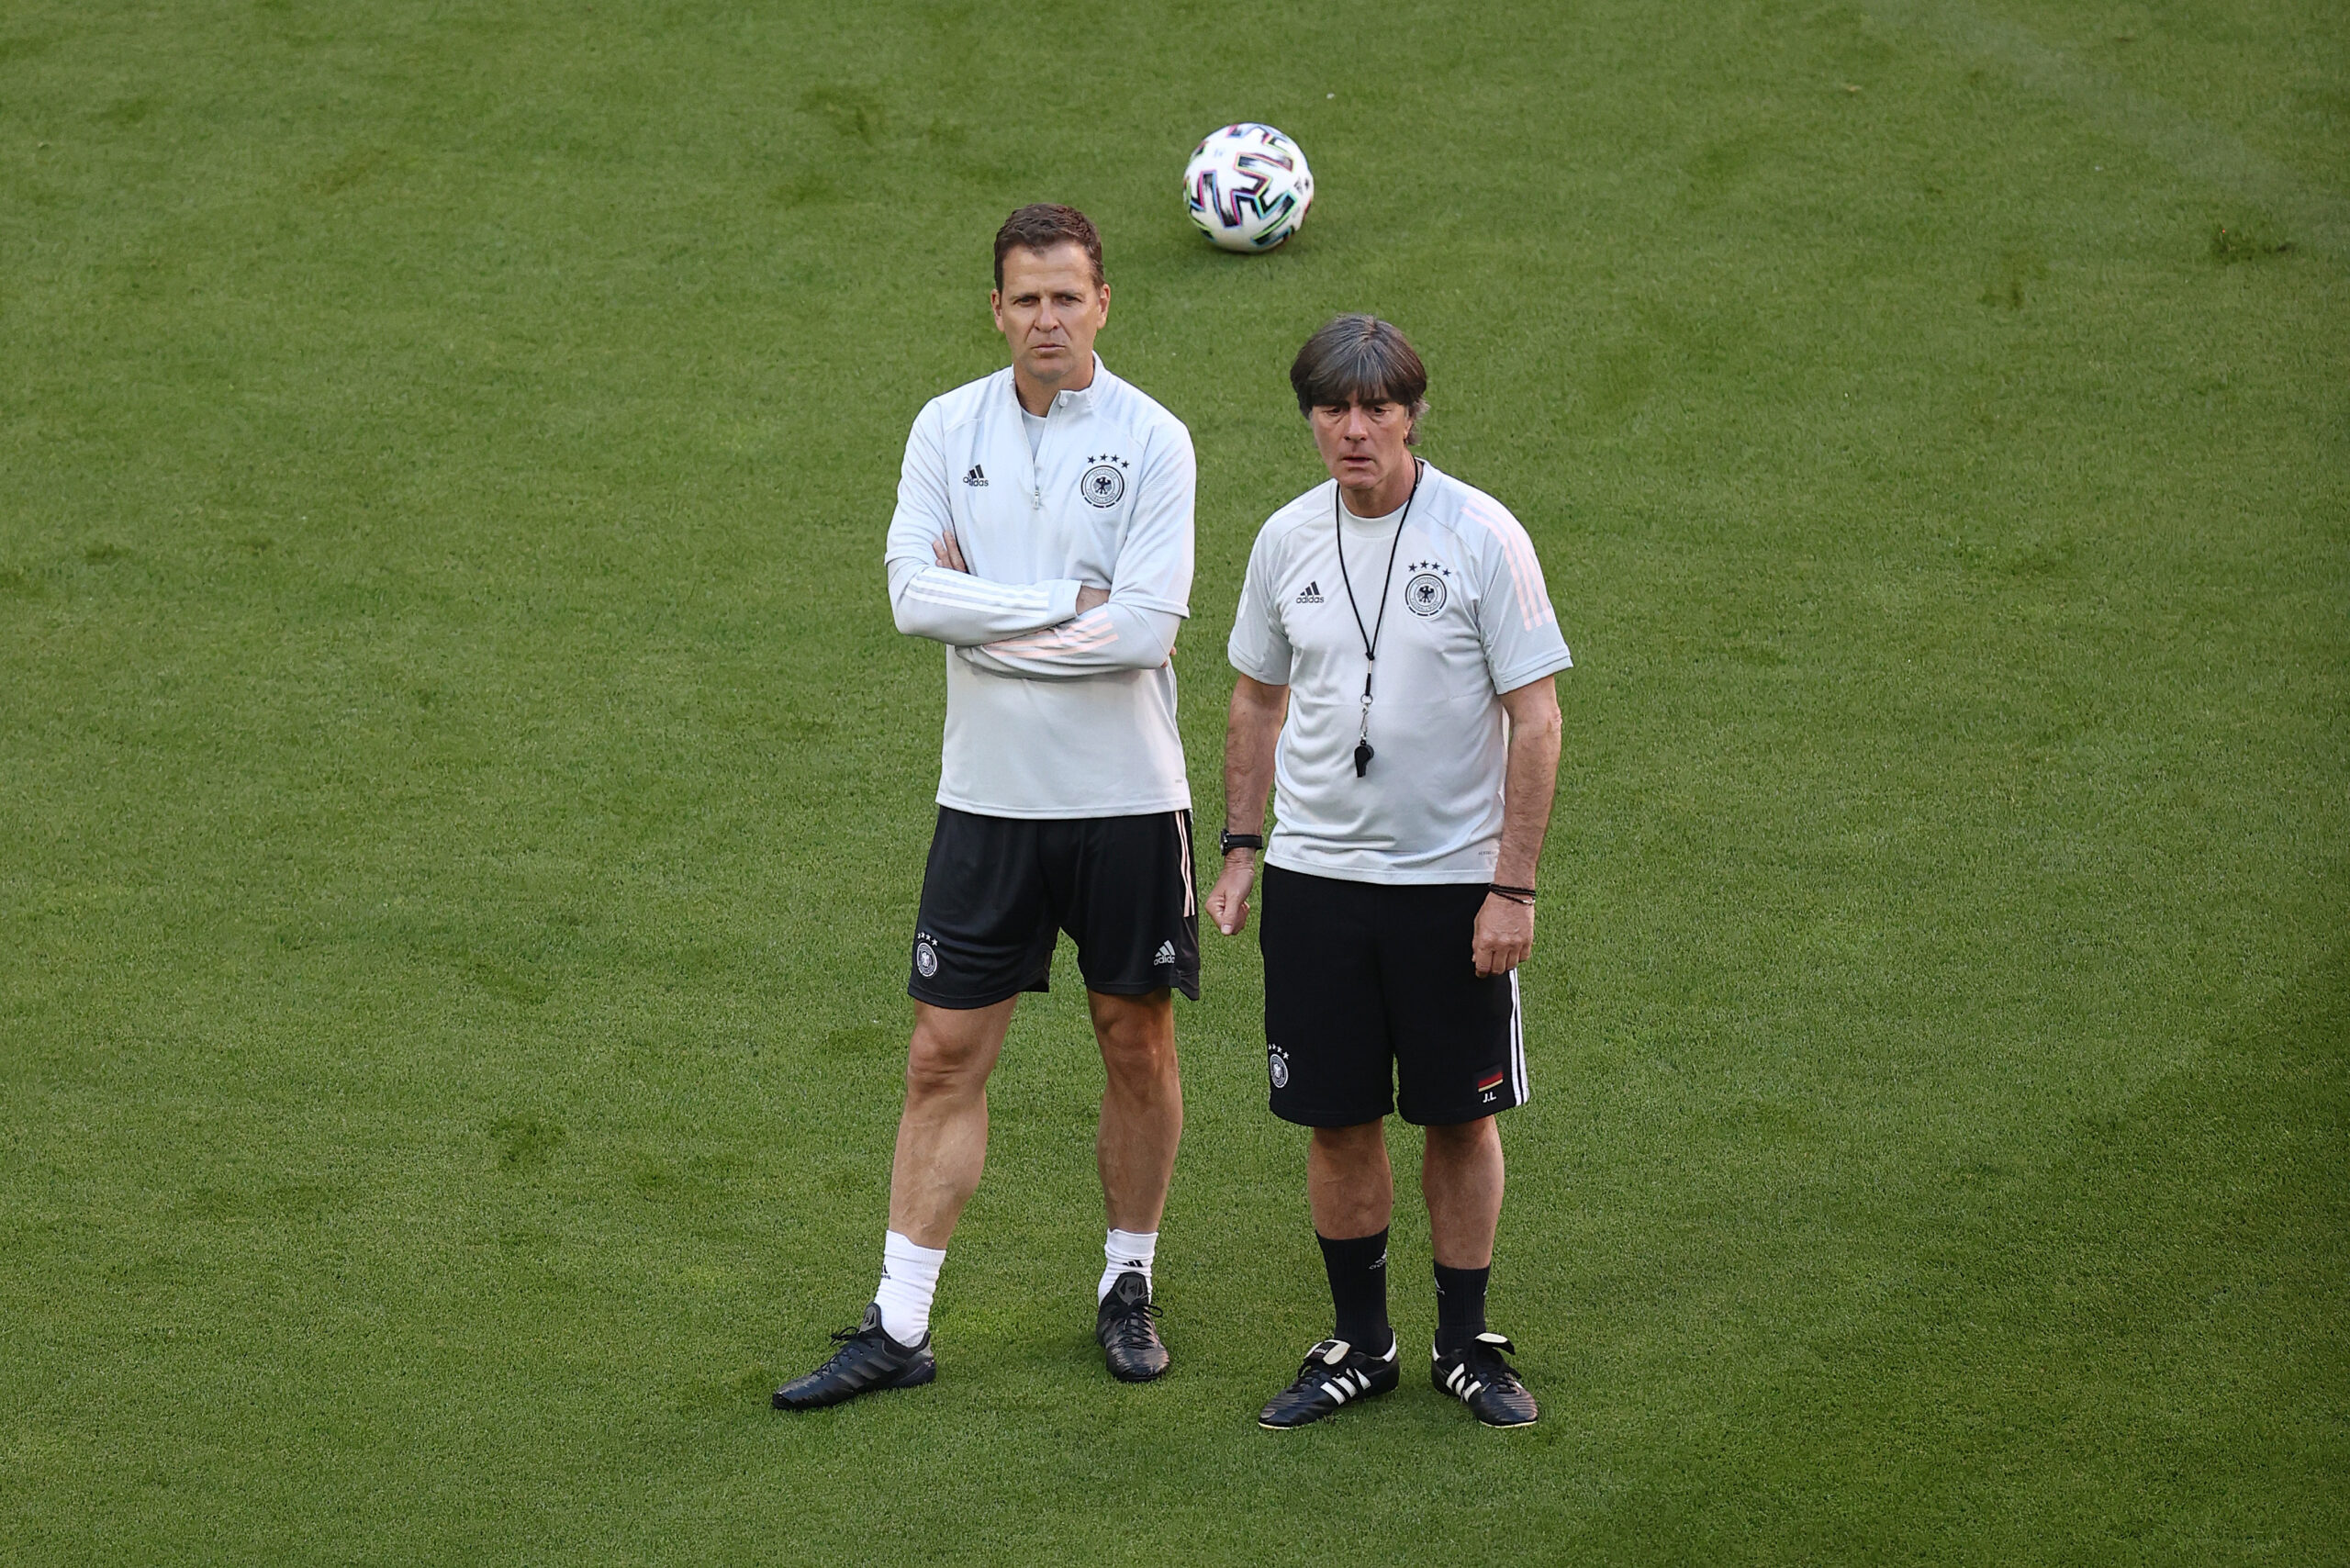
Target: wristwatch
[[1231, 841]]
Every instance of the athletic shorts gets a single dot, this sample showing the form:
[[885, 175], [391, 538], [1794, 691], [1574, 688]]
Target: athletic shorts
[[999, 891], [1372, 1000]]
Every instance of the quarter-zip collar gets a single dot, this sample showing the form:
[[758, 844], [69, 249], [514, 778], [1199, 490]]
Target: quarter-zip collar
[[1066, 405], [1079, 401]]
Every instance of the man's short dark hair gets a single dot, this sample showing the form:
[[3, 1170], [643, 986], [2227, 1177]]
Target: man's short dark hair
[[1040, 227], [1361, 359]]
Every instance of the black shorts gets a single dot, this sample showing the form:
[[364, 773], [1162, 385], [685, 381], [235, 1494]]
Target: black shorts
[[999, 890], [1371, 997]]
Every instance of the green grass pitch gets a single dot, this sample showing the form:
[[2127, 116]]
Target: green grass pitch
[[462, 799]]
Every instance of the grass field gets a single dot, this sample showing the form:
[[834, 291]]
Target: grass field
[[462, 799]]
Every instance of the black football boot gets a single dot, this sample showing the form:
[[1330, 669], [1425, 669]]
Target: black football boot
[[1129, 1339], [868, 1359], [1479, 1378], [1334, 1373]]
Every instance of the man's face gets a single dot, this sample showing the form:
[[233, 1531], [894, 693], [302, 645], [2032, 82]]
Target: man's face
[[1363, 445], [1048, 310]]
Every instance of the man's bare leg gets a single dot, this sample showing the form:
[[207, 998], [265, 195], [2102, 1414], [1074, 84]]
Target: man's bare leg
[[1142, 1105], [942, 1146], [1350, 1189], [1349, 1186], [1461, 1176], [1142, 1120], [1460, 1173], [943, 1131]]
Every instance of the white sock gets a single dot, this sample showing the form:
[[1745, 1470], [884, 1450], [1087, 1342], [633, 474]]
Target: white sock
[[908, 1278], [1126, 1251]]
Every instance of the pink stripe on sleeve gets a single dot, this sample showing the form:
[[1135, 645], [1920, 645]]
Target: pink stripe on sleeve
[[1524, 567]]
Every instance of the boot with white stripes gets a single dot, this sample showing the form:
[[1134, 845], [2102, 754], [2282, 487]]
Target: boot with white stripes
[[1335, 1374], [1479, 1378]]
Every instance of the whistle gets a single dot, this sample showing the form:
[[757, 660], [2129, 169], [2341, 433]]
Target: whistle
[[1363, 757]]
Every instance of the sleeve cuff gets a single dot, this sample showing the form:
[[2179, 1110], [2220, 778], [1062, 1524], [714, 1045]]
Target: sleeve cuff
[[1254, 669], [1146, 601], [1549, 664]]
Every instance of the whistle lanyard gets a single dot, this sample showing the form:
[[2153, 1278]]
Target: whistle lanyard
[[1379, 621]]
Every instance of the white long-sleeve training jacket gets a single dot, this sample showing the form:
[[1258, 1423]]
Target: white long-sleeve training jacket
[[1050, 713]]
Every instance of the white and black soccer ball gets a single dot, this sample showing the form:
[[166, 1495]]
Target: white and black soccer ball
[[1247, 186]]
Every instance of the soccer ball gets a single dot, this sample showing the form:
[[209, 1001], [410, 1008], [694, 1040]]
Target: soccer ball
[[1247, 186]]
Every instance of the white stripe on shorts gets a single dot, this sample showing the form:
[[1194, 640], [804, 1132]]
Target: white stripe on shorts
[[1183, 837], [1517, 1079]]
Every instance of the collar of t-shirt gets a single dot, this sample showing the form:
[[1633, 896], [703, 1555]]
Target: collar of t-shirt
[[1365, 542], [1383, 525], [1034, 425]]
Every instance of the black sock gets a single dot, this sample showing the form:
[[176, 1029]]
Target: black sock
[[1357, 1270], [1459, 1306]]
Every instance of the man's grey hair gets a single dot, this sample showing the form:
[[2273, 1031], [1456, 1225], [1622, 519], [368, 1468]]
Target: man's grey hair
[[1361, 359]]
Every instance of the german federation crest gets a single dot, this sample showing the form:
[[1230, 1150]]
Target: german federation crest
[[1276, 1063], [1425, 594], [1102, 485]]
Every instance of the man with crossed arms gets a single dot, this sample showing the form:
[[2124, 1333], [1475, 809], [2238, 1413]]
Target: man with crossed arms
[[1044, 534]]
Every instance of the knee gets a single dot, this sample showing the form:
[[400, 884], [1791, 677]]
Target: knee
[[1463, 1141], [1144, 1068], [1137, 1042], [1348, 1149], [941, 1067]]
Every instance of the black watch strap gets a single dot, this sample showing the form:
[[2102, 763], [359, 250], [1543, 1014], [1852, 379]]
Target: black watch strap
[[1231, 841]]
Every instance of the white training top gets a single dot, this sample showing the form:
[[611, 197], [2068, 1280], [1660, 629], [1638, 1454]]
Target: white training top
[[1468, 618], [1050, 713]]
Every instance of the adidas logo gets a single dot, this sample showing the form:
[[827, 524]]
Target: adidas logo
[[1310, 594], [1166, 956], [977, 478]]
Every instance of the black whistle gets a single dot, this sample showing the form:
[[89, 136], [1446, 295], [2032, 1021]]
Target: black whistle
[[1362, 758]]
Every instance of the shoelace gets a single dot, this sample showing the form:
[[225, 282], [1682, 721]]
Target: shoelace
[[847, 1339], [1128, 1322], [1489, 1365]]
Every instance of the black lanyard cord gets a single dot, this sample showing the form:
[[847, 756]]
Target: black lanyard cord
[[1379, 621]]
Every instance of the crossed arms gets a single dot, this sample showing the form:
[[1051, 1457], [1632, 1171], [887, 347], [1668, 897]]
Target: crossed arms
[[1057, 630], [1060, 629]]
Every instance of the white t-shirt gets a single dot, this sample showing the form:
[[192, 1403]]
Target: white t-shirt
[[1050, 713], [1468, 618]]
